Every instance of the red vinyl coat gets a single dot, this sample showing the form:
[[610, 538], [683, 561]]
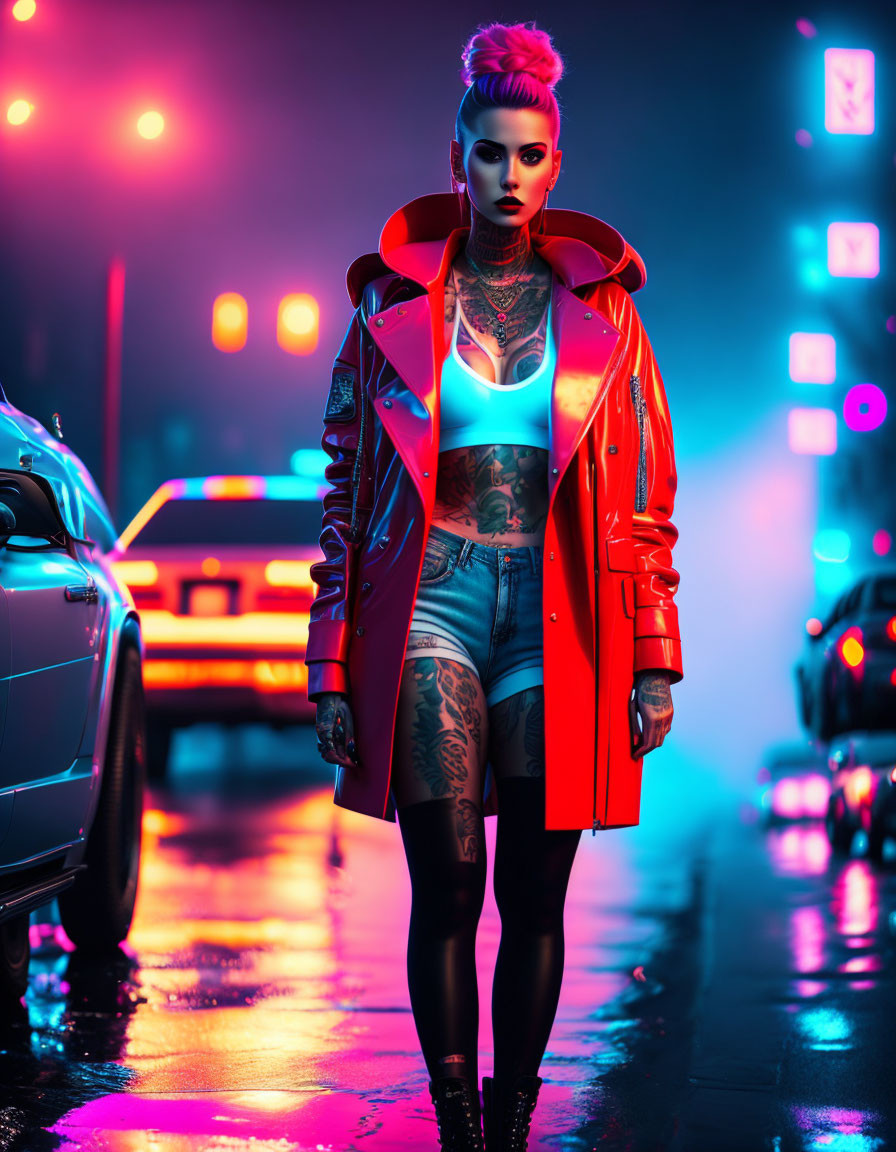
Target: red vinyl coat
[[608, 580]]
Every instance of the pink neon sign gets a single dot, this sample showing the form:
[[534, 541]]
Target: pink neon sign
[[853, 249], [849, 90], [864, 407], [813, 357], [812, 431]]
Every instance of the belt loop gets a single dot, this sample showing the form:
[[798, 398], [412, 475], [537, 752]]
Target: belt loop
[[533, 552], [465, 552]]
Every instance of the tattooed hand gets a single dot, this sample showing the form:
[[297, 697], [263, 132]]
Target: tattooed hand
[[653, 703], [336, 730]]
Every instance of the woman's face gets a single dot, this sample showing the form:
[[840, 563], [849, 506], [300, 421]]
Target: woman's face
[[508, 152]]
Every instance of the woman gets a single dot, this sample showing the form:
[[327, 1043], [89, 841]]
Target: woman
[[497, 572]]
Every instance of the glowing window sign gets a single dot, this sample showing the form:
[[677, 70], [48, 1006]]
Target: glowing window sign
[[849, 90], [812, 431], [853, 249], [813, 357], [831, 545]]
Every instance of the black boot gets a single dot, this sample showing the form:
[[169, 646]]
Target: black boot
[[458, 1114], [507, 1112]]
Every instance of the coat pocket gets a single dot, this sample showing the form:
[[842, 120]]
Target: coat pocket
[[641, 413], [621, 553]]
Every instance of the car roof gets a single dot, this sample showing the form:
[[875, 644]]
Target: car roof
[[871, 747]]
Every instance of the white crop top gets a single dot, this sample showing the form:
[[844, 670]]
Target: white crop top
[[474, 410]]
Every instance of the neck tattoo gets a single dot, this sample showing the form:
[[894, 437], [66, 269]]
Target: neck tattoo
[[500, 253]]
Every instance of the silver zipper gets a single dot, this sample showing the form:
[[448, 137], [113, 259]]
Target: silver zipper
[[356, 471], [641, 410]]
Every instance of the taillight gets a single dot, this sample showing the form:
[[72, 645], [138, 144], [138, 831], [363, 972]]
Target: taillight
[[289, 574], [858, 785], [849, 647], [136, 573]]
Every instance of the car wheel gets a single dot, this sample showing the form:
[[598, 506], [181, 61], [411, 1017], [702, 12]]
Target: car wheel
[[158, 747], [96, 911], [839, 833], [15, 955]]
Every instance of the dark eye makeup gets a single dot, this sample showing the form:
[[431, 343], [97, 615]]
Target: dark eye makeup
[[490, 155]]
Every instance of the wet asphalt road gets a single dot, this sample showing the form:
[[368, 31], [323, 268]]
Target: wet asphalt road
[[727, 986]]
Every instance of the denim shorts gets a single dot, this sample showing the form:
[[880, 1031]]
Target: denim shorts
[[482, 606]]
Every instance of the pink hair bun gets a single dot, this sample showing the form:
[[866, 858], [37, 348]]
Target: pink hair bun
[[511, 48]]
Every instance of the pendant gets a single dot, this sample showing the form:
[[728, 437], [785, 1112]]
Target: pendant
[[500, 330]]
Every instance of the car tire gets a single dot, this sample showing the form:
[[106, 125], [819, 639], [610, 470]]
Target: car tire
[[158, 747], [839, 833], [96, 911], [15, 956]]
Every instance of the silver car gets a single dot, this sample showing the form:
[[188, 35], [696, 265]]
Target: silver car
[[72, 727]]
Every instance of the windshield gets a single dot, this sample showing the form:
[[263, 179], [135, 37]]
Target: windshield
[[885, 592], [250, 522]]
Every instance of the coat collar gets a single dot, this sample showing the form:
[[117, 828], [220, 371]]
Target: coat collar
[[420, 240]]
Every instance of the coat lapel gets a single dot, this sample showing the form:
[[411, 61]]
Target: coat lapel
[[411, 336], [585, 341]]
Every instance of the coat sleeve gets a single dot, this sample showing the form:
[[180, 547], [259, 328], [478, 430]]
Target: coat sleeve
[[657, 637], [326, 654]]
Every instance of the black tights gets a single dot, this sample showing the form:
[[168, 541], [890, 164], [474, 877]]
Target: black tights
[[532, 868]]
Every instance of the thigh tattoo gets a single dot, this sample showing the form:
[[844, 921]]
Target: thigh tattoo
[[443, 752]]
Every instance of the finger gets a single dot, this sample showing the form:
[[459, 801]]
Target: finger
[[349, 728], [340, 739], [651, 732]]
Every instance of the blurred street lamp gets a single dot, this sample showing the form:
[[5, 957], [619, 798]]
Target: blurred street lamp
[[23, 10], [151, 125], [298, 323], [230, 322], [19, 111]]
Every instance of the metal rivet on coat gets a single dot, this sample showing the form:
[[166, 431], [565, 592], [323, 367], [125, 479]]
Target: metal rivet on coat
[[612, 448], [360, 629], [587, 315], [555, 471], [553, 615], [379, 321], [425, 473], [387, 403], [552, 555], [365, 586]]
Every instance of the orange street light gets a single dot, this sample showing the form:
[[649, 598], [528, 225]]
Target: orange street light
[[298, 323], [230, 322]]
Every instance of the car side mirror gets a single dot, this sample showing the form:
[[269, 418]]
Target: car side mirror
[[7, 524], [30, 510]]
